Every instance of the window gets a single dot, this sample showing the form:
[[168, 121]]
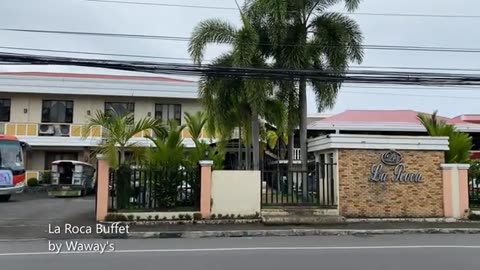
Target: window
[[4, 110], [122, 108], [166, 112], [57, 111]]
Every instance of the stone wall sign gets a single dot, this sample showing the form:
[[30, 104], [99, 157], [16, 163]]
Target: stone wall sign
[[393, 161]]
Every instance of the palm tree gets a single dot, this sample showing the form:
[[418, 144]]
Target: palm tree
[[196, 123], [245, 53], [303, 35], [226, 111], [460, 143], [276, 115], [118, 130]]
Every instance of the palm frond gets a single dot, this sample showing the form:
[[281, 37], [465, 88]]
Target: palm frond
[[326, 94], [210, 31], [338, 38], [323, 5], [196, 123]]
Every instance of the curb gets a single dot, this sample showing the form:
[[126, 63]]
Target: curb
[[294, 232]]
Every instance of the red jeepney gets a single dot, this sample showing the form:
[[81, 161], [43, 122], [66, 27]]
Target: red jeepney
[[12, 168]]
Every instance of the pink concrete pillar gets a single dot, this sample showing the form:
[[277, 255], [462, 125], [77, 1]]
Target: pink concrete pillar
[[455, 190], [102, 188], [205, 187]]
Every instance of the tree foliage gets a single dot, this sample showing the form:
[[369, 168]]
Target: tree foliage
[[117, 133], [460, 143], [235, 101], [304, 35]]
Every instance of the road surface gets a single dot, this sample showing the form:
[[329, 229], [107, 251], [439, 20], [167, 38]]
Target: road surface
[[425, 252], [27, 216]]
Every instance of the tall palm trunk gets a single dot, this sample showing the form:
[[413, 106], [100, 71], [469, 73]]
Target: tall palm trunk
[[122, 155], [291, 149], [303, 133], [256, 140], [239, 164], [248, 151]]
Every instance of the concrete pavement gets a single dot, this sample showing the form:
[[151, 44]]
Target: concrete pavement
[[28, 215], [387, 252]]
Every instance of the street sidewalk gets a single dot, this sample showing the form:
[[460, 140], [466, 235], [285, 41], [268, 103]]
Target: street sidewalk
[[255, 230]]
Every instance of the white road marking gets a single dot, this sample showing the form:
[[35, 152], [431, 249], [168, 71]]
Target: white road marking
[[23, 240], [236, 249]]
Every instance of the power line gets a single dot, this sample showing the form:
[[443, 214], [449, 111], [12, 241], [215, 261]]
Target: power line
[[419, 88], [189, 59], [186, 39], [97, 53], [422, 15], [164, 4], [357, 77], [404, 95]]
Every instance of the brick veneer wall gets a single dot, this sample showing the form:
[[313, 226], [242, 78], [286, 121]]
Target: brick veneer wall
[[358, 197]]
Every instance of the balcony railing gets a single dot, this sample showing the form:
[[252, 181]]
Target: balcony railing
[[67, 130], [296, 154]]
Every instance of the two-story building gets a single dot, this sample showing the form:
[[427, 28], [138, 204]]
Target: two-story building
[[48, 110]]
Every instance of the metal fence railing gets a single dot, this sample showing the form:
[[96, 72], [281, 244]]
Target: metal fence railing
[[315, 187], [159, 189], [474, 193]]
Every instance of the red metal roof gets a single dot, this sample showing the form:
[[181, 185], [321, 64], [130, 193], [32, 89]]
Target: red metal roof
[[384, 116], [94, 76]]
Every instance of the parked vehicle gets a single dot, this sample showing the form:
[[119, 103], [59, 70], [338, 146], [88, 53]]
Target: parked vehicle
[[12, 168], [72, 178]]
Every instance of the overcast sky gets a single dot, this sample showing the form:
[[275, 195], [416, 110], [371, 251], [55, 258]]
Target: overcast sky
[[86, 16]]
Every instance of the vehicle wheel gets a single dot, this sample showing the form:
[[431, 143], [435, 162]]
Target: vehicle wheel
[[5, 198]]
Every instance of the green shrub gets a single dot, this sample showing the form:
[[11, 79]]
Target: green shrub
[[46, 178], [32, 182], [115, 217], [474, 217], [130, 217], [198, 216]]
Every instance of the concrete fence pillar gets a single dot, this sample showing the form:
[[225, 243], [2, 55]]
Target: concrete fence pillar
[[205, 187], [102, 188], [455, 190]]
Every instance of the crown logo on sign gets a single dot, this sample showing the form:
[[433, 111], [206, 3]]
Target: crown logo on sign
[[391, 158]]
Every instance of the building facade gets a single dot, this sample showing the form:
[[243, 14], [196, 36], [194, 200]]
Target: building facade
[[49, 110]]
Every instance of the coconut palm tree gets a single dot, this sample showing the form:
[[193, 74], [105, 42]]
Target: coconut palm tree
[[304, 35], [245, 53], [460, 143], [118, 130]]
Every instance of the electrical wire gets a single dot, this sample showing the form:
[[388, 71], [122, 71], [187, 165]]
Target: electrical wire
[[189, 59], [187, 39], [97, 53], [422, 15], [358, 77]]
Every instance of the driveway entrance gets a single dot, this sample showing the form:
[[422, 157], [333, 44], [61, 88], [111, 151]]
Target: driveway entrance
[[27, 216]]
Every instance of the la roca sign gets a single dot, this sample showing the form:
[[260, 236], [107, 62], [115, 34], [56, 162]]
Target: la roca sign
[[393, 159]]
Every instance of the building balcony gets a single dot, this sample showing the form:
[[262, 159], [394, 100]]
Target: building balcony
[[65, 135]]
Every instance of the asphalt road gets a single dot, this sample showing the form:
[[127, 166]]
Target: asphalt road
[[27, 216], [425, 252]]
